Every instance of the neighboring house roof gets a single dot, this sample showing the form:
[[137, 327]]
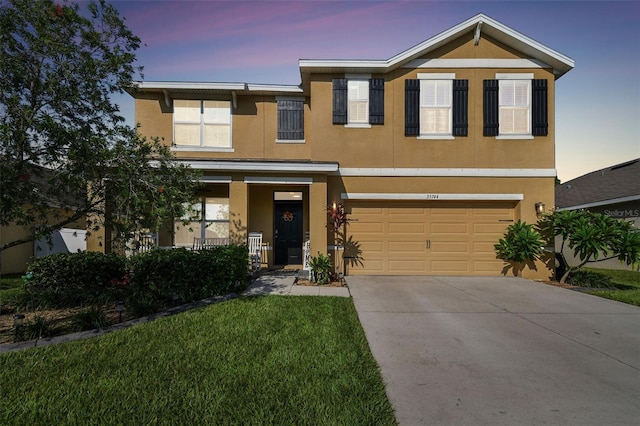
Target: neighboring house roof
[[615, 184], [540, 55]]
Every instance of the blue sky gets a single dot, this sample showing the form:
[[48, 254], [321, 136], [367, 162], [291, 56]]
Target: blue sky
[[597, 103]]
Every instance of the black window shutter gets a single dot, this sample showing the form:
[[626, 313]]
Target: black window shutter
[[412, 107], [539, 107], [339, 101], [376, 101], [490, 108], [460, 107], [291, 119]]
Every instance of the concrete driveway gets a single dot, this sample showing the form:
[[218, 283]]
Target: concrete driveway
[[476, 350]]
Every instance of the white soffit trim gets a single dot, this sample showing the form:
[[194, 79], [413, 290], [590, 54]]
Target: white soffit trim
[[475, 63], [273, 88], [447, 172], [279, 180], [189, 85], [215, 179], [601, 203], [261, 166], [434, 197]]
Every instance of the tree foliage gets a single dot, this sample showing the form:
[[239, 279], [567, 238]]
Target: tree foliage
[[66, 153], [522, 245], [592, 236]]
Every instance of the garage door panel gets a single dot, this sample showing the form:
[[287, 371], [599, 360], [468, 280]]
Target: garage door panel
[[484, 247], [449, 266], [449, 228], [369, 267], [366, 228], [488, 266], [404, 247], [449, 212], [407, 266], [406, 211], [407, 228], [449, 247], [372, 246], [489, 228]]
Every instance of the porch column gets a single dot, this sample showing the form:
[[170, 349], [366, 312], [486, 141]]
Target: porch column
[[238, 210], [318, 215]]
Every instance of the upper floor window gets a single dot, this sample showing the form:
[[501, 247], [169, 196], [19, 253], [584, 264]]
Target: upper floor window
[[204, 124], [290, 119], [358, 101], [515, 107], [436, 106]]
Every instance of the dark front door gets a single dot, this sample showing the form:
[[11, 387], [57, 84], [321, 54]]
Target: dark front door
[[288, 232]]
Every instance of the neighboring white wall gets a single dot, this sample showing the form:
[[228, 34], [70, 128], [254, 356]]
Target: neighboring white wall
[[64, 241]]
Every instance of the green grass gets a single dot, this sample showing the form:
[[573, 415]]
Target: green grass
[[252, 361], [628, 280]]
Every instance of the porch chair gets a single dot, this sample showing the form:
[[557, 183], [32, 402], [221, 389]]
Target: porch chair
[[255, 250]]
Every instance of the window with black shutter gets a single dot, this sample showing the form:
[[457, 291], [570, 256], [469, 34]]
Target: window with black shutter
[[290, 119], [436, 106], [361, 105], [515, 106]]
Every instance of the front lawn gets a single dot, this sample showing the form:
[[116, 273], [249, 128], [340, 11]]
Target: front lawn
[[266, 360], [628, 283]]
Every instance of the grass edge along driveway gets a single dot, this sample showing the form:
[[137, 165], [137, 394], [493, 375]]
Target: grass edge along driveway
[[259, 360]]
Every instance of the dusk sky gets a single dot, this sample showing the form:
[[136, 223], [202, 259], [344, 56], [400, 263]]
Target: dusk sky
[[597, 103]]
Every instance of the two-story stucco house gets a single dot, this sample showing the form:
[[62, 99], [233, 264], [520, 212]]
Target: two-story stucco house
[[433, 152]]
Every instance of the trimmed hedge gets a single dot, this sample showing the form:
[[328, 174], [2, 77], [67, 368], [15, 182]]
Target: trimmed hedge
[[185, 276], [148, 282], [71, 279]]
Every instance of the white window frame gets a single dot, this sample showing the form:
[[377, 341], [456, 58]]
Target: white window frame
[[198, 214], [362, 79], [447, 79], [204, 121], [505, 79]]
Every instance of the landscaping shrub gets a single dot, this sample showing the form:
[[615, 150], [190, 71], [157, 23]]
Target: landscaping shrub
[[590, 279], [320, 268], [93, 317], [71, 279], [182, 275], [38, 328]]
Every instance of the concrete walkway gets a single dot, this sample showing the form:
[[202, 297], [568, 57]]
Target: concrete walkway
[[501, 351], [282, 283]]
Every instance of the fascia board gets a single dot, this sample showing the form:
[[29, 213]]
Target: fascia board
[[252, 166], [180, 85], [273, 88]]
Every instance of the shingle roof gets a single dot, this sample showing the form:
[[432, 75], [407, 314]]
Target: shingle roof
[[620, 182]]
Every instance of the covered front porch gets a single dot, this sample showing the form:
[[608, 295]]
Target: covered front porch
[[284, 203]]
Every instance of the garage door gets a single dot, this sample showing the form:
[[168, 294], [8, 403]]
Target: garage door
[[413, 238]]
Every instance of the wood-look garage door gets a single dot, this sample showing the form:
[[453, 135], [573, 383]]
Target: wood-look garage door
[[413, 238]]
